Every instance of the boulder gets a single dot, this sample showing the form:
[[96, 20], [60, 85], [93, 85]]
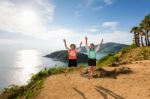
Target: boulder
[[101, 72]]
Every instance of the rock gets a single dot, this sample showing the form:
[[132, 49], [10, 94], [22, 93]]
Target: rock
[[114, 65], [123, 70], [100, 73]]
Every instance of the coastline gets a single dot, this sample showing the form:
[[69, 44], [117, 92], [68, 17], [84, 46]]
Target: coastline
[[74, 83]]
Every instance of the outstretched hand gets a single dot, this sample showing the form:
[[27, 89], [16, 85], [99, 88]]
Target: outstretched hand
[[102, 41], [80, 43], [86, 38], [64, 40]]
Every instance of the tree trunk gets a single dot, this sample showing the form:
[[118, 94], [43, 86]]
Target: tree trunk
[[148, 42], [135, 39], [148, 37], [138, 39], [142, 41]]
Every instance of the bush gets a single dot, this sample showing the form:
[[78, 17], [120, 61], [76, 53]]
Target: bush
[[35, 83], [107, 60], [128, 48], [144, 53]]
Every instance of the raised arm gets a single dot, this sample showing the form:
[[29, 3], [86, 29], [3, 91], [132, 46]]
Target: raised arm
[[86, 41], [65, 44], [79, 49], [99, 46]]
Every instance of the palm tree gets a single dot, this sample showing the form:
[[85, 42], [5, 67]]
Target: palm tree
[[135, 30], [141, 33], [145, 25]]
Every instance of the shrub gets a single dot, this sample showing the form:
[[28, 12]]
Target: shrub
[[128, 48], [35, 83], [107, 60], [144, 53], [112, 59]]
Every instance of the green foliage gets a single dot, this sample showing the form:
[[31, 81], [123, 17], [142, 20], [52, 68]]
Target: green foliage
[[35, 83], [113, 58], [128, 48], [107, 60], [144, 53], [62, 55]]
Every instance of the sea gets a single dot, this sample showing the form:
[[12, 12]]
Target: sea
[[17, 66]]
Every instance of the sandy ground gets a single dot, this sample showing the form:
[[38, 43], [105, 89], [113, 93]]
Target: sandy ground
[[129, 86]]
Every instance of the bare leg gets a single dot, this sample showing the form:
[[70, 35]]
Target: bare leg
[[89, 72], [66, 71], [92, 69], [80, 71]]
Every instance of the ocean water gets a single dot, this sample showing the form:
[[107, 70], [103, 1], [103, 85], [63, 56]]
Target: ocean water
[[17, 67]]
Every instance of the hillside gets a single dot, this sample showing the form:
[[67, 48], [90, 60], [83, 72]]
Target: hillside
[[63, 56], [107, 48], [131, 86], [126, 55], [47, 85], [136, 54]]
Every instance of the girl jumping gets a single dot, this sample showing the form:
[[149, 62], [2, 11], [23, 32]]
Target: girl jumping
[[72, 55], [91, 50]]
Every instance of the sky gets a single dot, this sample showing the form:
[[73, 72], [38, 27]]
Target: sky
[[42, 24]]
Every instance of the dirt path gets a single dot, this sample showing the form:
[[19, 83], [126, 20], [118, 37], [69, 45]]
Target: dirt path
[[132, 86]]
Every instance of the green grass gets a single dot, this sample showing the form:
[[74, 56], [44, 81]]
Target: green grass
[[106, 60], [35, 83], [123, 50], [144, 53], [113, 58]]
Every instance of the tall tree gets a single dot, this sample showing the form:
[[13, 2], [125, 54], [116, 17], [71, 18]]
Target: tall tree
[[135, 30], [145, 25], [141, 34]]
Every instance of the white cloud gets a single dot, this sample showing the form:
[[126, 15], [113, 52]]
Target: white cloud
[[29, 19], [7, 41], [97, 8], [109, 31], [110, 25], [93, 29], [95, 5], [46, 8], [26, 17], [116, 36], [108, 2]]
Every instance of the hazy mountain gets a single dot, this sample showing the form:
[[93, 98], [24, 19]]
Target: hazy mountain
[[63, 56], [107, 48]]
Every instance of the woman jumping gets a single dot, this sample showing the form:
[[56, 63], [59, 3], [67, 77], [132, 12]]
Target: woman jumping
[[72, 55], [91, 50]]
